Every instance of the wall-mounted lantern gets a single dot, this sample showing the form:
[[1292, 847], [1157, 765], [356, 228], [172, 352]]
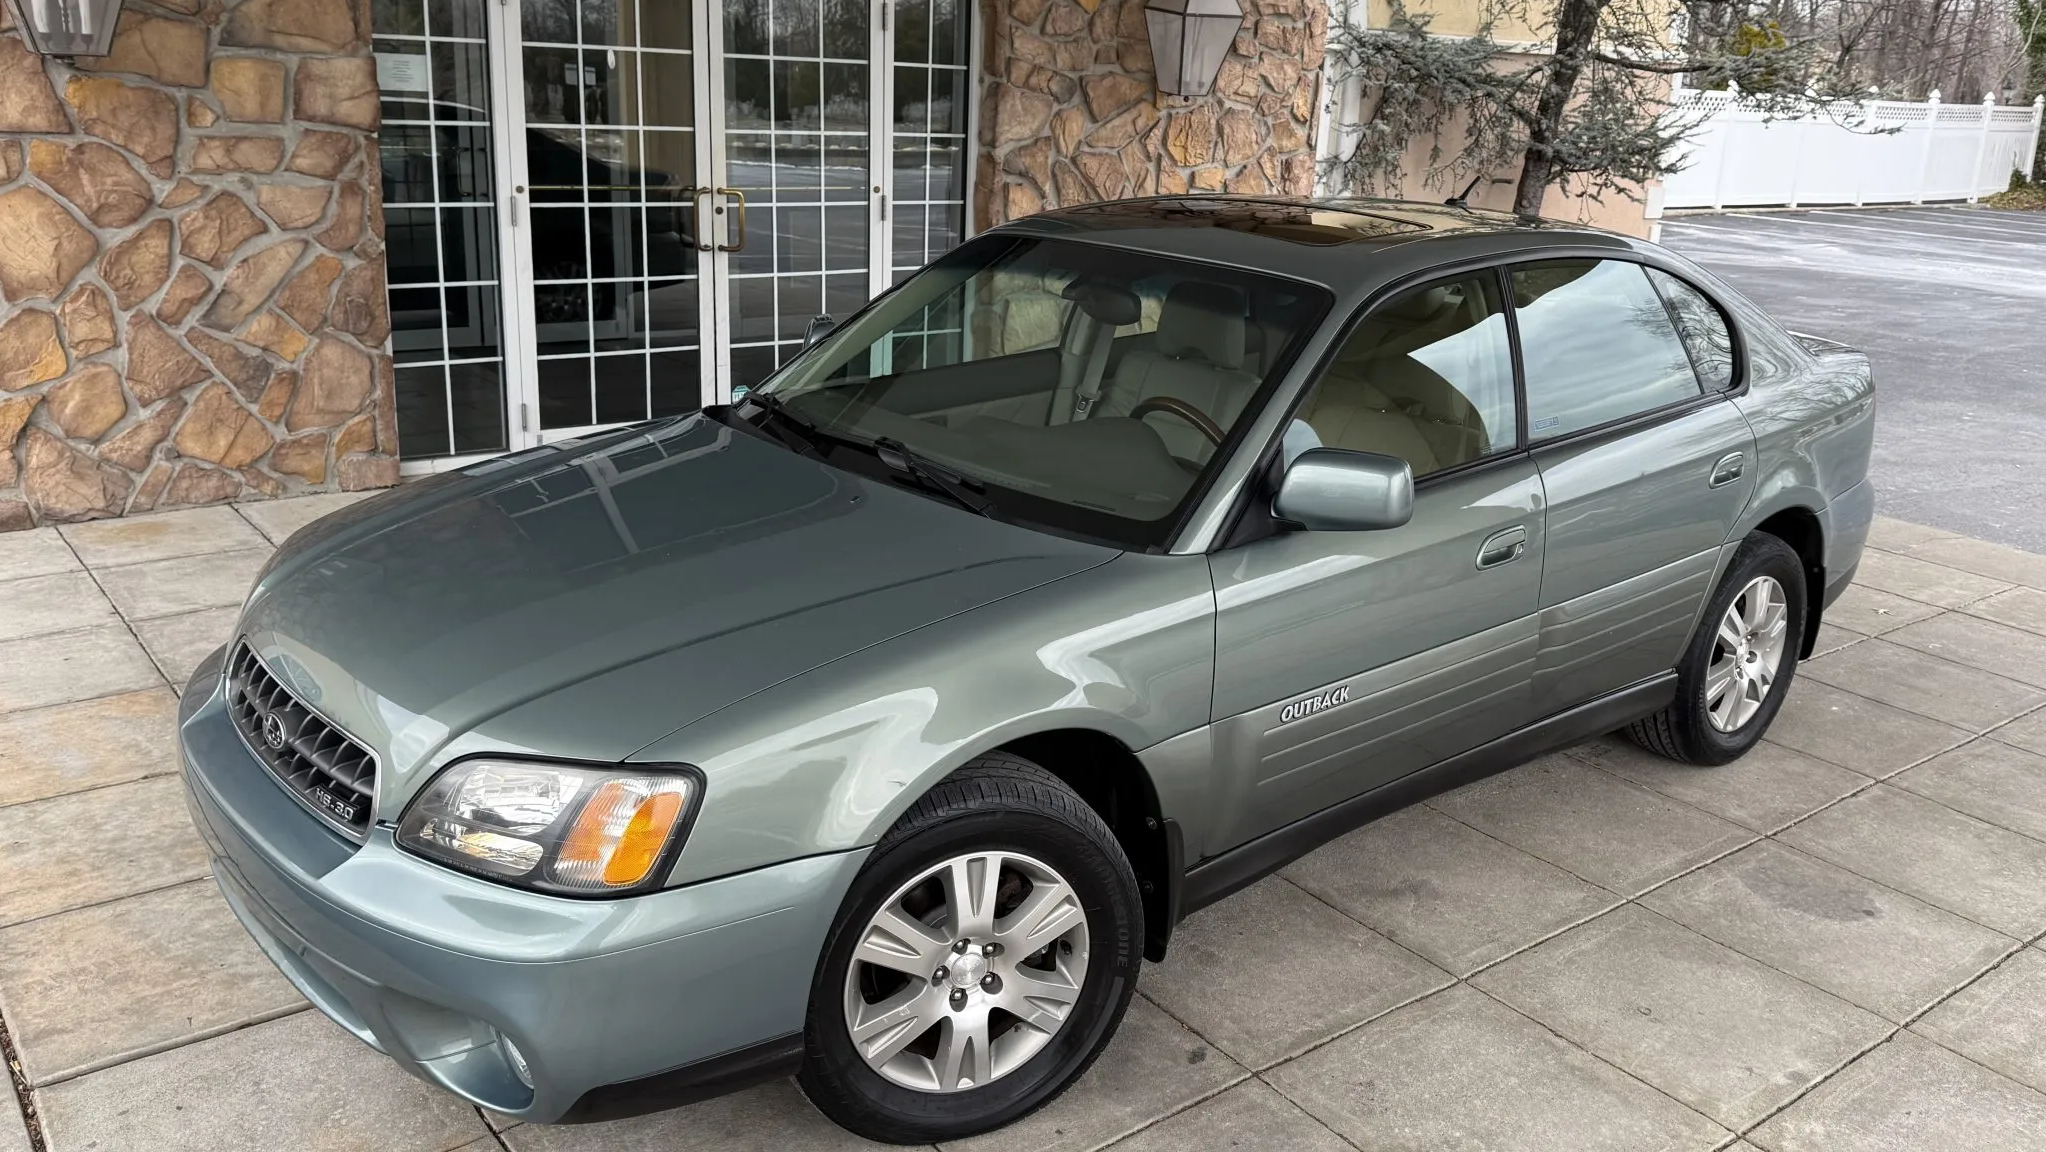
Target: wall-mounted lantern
[[1189, 38], [66, 27]]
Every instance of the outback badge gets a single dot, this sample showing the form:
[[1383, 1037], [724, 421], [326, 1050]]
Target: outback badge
[[1316, 703]]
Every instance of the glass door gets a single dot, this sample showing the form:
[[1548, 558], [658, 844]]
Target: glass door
[[442, 240], [602, 211], [609, 154], [844, 129], [797, 152], [927, 126]]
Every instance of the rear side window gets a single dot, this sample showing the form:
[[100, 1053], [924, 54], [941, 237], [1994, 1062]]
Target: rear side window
[[1597, 345], [1702, 327]]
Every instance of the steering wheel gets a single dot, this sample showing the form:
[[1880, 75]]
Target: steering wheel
[[1174, 406]]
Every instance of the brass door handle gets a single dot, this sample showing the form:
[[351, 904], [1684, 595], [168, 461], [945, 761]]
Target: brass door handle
[[696, 196], [735, 194]]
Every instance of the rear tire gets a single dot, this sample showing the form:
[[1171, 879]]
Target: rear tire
[[1734, 675], [1062, 919]]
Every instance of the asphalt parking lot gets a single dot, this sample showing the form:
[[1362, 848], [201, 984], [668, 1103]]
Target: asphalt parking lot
[[1948, 301], [1830, 946]]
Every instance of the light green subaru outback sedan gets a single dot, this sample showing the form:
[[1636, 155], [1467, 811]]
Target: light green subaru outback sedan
[[877, 726]]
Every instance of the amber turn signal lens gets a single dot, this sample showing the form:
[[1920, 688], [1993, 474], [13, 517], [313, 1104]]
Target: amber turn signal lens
[[621, 832], [582, 850], [645, 835]]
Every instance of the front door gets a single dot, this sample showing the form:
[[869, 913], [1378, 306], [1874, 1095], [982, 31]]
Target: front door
[[1345, 660], [601, 211]]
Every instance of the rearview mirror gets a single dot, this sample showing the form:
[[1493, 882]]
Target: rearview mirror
[[1331, 490], [1110, 305], [820, 327]]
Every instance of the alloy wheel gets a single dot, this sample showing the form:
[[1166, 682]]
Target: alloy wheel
[[966, 972], [1746, 653]]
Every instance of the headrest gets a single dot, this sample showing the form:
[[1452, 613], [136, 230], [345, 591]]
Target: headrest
[[1371, 397], [1204, 320], [1417, 306]]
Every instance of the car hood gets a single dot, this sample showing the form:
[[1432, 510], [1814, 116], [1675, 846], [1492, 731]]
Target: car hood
[[584, 603]]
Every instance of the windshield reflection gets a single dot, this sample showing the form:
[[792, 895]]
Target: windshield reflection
[[1084, 388]]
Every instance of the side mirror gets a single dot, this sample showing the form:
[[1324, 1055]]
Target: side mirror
[[820, 327], [1331, 490]]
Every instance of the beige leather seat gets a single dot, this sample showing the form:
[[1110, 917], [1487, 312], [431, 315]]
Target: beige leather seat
[[1348, 412], [1385, 380], [1439, 411], [1197, 355]]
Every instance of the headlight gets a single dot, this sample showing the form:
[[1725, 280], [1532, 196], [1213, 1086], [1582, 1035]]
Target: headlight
[[552, 827]]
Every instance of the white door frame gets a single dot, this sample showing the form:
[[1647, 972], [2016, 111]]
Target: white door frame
[[881, 149], [714, 264], [514, 256]]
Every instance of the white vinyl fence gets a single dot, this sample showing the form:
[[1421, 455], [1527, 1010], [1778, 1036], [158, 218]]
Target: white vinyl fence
[[1739, 157]]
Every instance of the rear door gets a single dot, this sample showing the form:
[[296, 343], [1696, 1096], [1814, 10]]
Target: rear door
[[1348, 659], [1645, 470]]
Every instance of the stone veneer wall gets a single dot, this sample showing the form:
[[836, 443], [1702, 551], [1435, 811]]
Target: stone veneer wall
[[1069, 112], [192, 301]]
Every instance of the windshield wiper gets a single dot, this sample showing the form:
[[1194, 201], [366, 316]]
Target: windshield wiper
[[894, 453], [804, 432], [897, 455]]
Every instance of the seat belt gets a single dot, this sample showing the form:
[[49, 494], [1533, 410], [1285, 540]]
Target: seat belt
[[1089, 390], [1072, 366]]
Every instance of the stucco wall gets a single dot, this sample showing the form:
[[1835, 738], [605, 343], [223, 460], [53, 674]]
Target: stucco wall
[[1464, 18], [192, 298], [1613, 209], [1069, 114]]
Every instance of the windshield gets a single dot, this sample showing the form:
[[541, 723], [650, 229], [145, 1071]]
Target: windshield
[[1081, 388]]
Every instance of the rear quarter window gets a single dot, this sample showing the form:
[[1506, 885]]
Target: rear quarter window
[[1702, 327]]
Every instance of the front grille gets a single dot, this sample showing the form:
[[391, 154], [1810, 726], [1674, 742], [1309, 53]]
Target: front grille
[[328, 772]]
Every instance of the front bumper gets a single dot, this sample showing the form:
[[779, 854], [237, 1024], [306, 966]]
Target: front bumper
[[604, 998]]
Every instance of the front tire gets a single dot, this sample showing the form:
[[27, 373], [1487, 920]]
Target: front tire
[[981, 960], [1733, 677]]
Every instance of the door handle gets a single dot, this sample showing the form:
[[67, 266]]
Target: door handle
[[1503, 547], [1726, 470], [696, 196], [740, 243]]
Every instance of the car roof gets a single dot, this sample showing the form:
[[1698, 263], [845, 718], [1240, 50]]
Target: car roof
[[1313, 239]]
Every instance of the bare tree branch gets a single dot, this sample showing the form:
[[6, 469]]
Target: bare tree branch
[[1658, 67]]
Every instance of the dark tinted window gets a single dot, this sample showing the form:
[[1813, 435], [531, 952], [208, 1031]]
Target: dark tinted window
[[1597, 343], [1703, 329], [1427, 376]]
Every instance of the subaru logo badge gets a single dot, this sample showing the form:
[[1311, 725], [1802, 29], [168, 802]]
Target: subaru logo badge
[[273, 731]]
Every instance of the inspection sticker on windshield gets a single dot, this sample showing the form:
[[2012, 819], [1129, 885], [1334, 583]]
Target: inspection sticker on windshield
[[1299, 709]]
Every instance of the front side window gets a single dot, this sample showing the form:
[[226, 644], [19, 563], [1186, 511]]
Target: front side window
[[1703, 329], [1426, 376], [1078, 387], [1597, 345]]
